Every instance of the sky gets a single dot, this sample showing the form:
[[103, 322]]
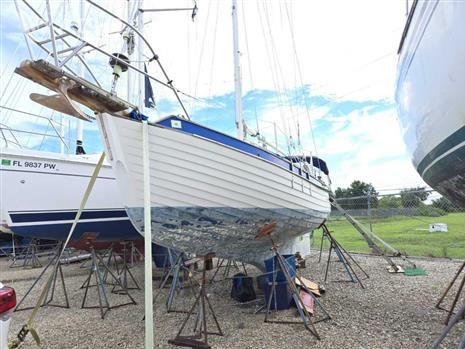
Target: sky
[[323, 69]]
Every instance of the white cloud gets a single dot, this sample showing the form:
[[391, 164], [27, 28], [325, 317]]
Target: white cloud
[[369, 147]]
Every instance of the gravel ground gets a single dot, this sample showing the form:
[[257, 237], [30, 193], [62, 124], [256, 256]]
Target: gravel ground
[[394, 311]]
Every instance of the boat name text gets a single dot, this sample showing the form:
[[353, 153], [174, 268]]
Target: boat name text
[[29, 164]]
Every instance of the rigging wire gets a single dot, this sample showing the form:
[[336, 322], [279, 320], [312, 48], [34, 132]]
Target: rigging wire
[[202, 50], [212, 64], [249, 63], [278, 78], [273, 76], [299, 72]]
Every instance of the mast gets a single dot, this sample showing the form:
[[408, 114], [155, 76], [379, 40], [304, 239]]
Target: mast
[[140, 57], [237, 75], [80, 123], [129, 72]]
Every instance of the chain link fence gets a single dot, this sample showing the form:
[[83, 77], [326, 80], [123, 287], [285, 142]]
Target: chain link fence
[[416, 222]]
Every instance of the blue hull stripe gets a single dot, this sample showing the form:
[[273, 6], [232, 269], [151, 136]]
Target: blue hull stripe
[[107, 230], [64, 216]]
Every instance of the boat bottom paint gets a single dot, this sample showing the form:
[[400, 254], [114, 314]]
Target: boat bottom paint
[[227, 232]]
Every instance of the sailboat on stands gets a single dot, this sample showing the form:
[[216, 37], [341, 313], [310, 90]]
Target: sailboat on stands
[[209, 191], [41, 193]]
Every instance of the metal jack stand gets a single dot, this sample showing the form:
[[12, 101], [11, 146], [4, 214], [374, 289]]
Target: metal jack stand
[[200, 325], [104, 304], [135, 254], [175, 272], [107, 255], [457, 317], [344, 257], [457, 296], [110, 256], [124, 273], [30, 257], [50, 294], [303, 312], [230, 263]]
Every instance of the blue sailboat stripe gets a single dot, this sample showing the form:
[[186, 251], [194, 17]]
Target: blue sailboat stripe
[[64, 216], [119, 230]]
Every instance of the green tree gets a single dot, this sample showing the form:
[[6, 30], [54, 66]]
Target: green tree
[[413, 197], [390, 202], [357, 189]]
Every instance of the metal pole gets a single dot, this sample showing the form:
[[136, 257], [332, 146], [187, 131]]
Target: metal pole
[[147, 202], [275, 136], [62, 135], [80, 123], [26, 37], [128, 73], [369, 208], [237, 75], [13, 243]]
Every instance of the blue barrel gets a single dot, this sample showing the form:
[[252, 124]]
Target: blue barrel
[[272, 265], [160, 256], [283, 296]]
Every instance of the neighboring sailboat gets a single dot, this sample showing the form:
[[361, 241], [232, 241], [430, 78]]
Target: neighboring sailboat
[[209, 192], [429, 94], [41, 193]]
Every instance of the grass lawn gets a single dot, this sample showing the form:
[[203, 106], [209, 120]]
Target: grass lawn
[[410, 235]]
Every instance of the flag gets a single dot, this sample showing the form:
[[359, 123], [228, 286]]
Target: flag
[[149, 100]]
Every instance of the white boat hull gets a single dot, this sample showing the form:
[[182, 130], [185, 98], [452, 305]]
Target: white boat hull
[[41, 192], [430, 94], [209, 197]]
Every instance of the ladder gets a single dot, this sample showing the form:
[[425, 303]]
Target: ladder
[[370, 238]]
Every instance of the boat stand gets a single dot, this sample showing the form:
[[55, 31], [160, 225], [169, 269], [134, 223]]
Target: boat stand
[[50, 293], [124, 274], [450, 311], [179, 265], [96, 271], [459, 316], [135, 254], [110, 257], [344, 257], [304, 314], [200, 323], [30, 257], [227, 268]]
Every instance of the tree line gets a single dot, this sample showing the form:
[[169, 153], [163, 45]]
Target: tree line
[[361, 195]]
